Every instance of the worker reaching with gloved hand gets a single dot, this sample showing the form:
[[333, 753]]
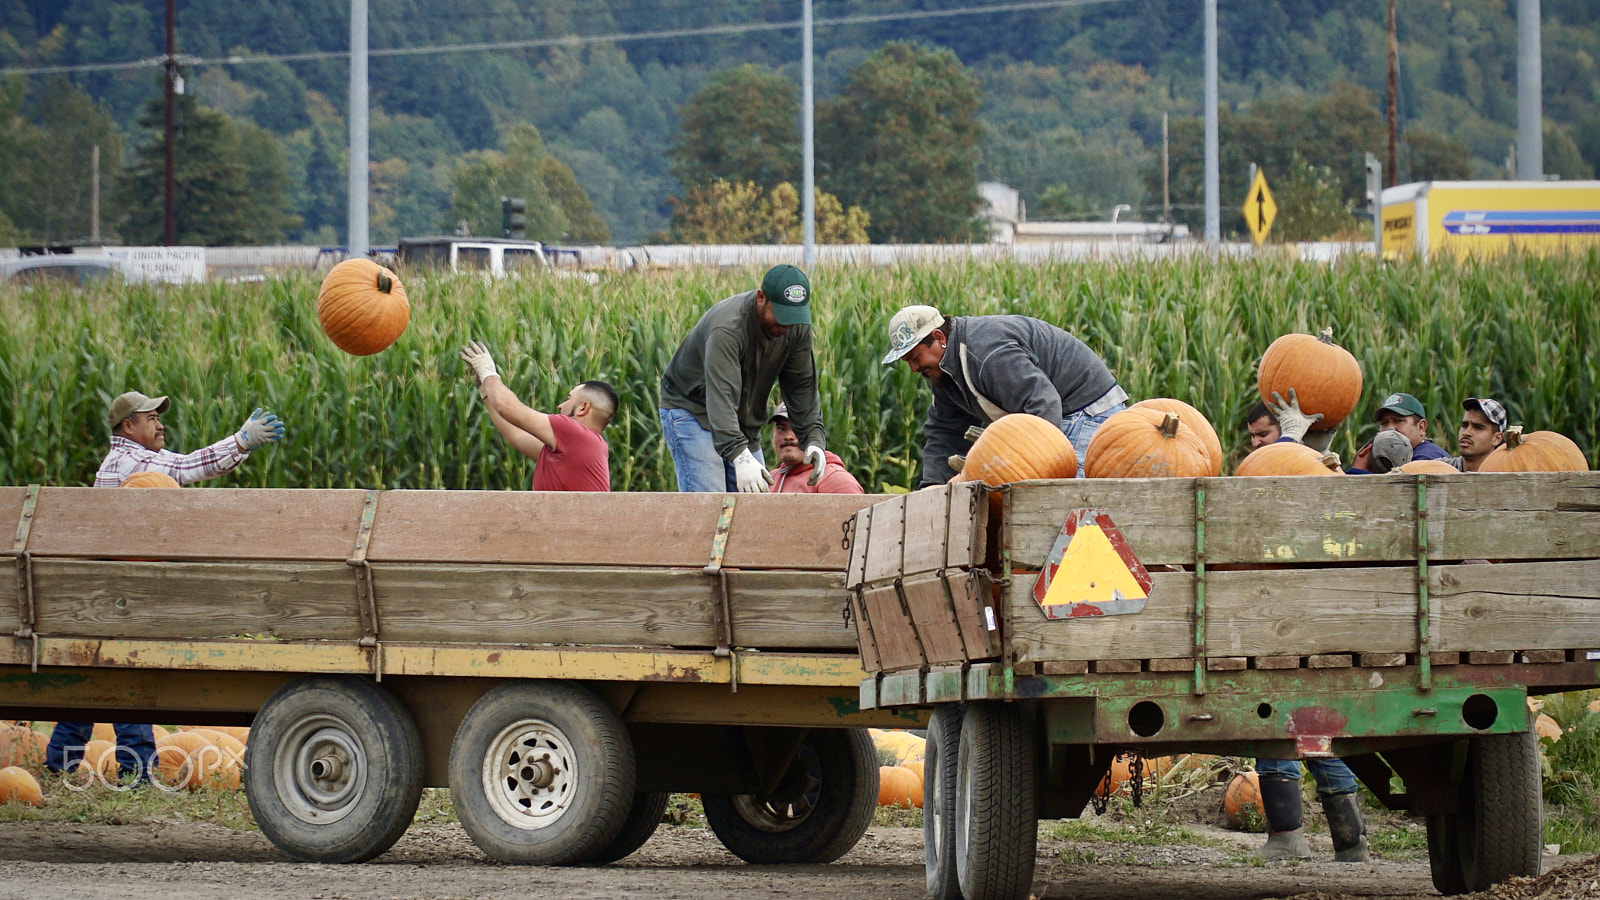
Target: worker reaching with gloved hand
[[715, 389], [139, 439]]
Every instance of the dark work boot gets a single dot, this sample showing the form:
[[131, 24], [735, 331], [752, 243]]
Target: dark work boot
[[1345, 825], [1280, 797]]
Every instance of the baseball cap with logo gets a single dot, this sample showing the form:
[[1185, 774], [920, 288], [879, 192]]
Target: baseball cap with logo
[[789, 292], [1390, 450], [782, 412], [134, 402], [907, 329], [1404, 404], [1491, 409]]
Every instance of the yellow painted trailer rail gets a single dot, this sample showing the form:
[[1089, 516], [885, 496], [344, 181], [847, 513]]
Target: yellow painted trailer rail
[[633, 643]]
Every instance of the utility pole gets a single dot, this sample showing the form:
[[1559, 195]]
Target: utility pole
[[1530, 84], [356, 239], [1166, 193], [1394, 119], [1213, 201], [808, 178], [170, 189], [94, 195]]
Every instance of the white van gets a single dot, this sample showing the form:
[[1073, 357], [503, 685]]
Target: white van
[[497, 256]]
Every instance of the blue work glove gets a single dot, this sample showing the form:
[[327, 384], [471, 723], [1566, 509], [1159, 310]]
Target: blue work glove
[[261, 428]]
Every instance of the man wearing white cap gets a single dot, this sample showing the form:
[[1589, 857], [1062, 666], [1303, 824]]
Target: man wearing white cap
[[983, 367], [138, 442]]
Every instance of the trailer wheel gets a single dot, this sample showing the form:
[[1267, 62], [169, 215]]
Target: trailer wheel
[[542, 774], [996, 827], [335, 769], [1444, 855], [819, 811], [644, 816], [1500, 828], [939, 802]]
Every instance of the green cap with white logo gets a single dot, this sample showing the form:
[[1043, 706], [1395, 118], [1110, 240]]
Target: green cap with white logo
[[789, 292]]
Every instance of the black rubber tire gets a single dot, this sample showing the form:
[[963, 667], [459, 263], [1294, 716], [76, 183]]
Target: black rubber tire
[[542, 773], [1444, 855], [997, 828], [1501, 830], [819, 812], [644, 816], [335, 769], [939, 802]]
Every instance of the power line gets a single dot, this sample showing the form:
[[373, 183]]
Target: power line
[[572, 40]]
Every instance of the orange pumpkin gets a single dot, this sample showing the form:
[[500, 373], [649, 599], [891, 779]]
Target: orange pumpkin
[[149, 479], [362, 307], [1019, 447], [1242, 795], [1536, 451], [1194, 419], [1122, 770], [899, 786], [101, 757], [1324, 376], [22, 746], [1288, 458], [17, 785], [1429, 467], [185, 760], [1146, 443]]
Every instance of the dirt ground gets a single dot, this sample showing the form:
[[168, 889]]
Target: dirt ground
[[177, 861]]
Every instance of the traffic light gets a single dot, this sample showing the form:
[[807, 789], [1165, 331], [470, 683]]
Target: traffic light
[[513, 221], [1374, 181]]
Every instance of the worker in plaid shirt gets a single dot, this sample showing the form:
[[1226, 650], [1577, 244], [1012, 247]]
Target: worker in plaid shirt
[[137, 439]]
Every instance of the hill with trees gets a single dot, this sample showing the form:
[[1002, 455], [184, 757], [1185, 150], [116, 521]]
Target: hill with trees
[[586, 106]]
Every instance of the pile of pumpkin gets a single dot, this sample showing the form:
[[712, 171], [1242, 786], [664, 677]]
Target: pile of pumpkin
[[900, 778], [1168, 438], [187, 758]]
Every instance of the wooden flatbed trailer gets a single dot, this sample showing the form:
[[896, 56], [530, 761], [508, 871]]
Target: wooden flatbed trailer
[[1397, 622], [560, 661]]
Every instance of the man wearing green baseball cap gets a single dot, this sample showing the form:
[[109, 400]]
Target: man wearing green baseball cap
[[1403, 413], [715, 389]]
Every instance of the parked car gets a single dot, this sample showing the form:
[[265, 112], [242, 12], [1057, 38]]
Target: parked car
[[499, 257], [78, 269]]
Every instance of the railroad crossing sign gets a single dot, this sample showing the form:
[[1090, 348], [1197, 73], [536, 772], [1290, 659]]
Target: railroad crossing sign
[[1091, 571], [1259, 210]]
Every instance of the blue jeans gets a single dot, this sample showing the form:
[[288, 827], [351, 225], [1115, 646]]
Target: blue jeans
[[136, 745], [1079, 428], [695, 460], [1332, 775]]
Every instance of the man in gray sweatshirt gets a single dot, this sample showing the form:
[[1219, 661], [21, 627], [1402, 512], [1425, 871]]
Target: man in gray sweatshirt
[[714, 391], [983, 367]]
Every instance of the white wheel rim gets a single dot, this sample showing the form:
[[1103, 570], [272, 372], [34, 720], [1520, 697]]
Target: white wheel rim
[[530, 774], [320, 770]]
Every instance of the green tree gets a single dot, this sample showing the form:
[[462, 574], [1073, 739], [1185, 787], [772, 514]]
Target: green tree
[[48, 158], [1431, 156], [739, 212], [1562, 156], [1311, 206], [901, 142], [225, 193], [558, 209], [744, 125], [584, 225]]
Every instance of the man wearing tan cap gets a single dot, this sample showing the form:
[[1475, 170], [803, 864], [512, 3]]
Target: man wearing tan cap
[[983, 367], [138, 440]]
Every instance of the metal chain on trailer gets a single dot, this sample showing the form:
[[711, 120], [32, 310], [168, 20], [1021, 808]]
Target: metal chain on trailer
[[1101, 798]]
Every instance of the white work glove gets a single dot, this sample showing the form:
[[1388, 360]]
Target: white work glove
[[1291, 421], [750, 474], [476, 355], [817, 462], [261, 428]]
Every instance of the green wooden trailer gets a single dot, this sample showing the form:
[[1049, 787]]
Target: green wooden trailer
[[1397, 622], [560, 661]]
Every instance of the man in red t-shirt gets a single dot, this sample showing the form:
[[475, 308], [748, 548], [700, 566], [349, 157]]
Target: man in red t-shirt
[[568, 452], [793, 476]]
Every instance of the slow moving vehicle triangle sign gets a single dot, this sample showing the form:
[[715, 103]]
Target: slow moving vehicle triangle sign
[[1091, 571]]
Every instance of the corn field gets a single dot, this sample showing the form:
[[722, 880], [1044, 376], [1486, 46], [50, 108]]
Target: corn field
[[1521, 330]]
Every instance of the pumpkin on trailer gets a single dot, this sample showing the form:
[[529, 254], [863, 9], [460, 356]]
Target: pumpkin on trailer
[[1146, 443], [362, 307], [17, 785], [1428, 467], [1536, 451], [1194, 419], [1324, 376], [899, 786], [149, 479], [1288, 458], [1019, 447]]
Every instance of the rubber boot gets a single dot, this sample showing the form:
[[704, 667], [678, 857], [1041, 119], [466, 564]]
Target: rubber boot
[[1280, 797], [1345, 825]]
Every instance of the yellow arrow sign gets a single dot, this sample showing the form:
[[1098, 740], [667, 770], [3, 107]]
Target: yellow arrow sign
[[1259, 210]]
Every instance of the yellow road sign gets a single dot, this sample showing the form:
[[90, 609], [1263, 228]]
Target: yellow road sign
[[1259, 210]]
